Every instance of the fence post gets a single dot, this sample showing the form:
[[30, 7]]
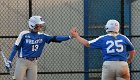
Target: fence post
[[86, 65], [30, 8], [122, 17]]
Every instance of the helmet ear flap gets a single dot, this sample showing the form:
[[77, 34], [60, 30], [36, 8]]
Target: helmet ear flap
[[31, 25], [105, 27]]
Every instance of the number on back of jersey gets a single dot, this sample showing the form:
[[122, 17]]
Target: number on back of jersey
[[116, 43]]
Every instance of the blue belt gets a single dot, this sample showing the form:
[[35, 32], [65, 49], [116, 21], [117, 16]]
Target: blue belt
[[29, 58]]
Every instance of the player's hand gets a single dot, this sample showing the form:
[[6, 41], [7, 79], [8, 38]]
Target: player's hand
[[129, 60], [8, 66], [74, 32]]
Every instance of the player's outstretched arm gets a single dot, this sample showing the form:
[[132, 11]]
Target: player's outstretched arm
[[60, 38], [75, 35]]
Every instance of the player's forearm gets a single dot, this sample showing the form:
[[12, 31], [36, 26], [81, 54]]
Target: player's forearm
[[13, 52], [62, 38], [132, 54], [83, 41]]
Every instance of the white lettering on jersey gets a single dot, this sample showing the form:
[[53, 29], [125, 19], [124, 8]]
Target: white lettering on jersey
[[115, 43], [30, 41]]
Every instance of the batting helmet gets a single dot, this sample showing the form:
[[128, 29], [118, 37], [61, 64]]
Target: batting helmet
[[112, 25], [35, 20]]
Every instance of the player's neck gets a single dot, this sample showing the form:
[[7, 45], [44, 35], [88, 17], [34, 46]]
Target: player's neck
[[33, 31], [113, 33]]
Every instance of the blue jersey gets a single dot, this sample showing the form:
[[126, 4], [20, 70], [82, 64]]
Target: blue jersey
[[30, 44], [113, 48]]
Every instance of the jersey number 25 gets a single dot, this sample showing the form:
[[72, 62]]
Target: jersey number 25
[[116, 43]]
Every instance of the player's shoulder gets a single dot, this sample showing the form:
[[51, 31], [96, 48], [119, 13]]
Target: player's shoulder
[[123, 36], [101, 37], [24, 32], [41, 33]]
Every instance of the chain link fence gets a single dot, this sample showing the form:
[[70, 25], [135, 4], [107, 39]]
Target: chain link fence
[[68, 60]]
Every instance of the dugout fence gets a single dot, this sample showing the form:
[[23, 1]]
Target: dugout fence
[[69, 60]]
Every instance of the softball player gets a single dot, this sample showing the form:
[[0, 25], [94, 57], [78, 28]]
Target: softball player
[[115, 48], [29, 45]]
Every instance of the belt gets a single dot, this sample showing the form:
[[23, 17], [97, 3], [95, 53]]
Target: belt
[[115, 60], [29, 58]]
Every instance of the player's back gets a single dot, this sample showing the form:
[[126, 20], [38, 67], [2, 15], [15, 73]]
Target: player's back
[[115, 47]]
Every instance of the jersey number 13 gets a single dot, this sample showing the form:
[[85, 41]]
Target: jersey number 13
[[34, 47]]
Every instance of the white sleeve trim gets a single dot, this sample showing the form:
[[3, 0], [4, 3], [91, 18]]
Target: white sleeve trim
[[20, 37], [94, 40]]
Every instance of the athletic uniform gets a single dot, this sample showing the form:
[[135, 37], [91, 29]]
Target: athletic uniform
[[114, 48], [115, 53], [29, 46]]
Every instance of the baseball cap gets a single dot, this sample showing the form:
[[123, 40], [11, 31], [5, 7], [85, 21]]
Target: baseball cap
[[112, 25], [35, 20]]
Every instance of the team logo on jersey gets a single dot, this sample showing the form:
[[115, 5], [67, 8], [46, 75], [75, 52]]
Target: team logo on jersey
[[30, 41], [27, 36]]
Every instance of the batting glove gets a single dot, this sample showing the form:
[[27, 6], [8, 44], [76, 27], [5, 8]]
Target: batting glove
[[8, 66]]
